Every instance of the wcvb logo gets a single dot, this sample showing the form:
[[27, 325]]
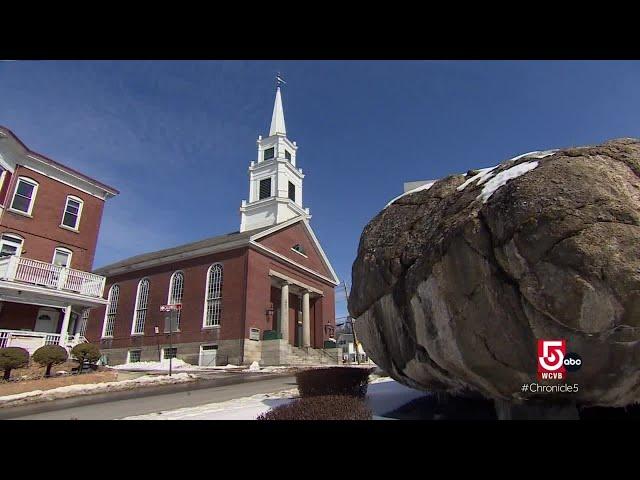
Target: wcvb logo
[[554, 361]]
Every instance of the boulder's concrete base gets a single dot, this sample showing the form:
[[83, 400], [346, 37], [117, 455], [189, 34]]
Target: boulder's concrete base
[[536, 411]]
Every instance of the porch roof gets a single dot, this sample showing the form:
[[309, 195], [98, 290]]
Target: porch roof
[[35, 295]]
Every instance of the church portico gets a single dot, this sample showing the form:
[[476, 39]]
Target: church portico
[[296, 315]]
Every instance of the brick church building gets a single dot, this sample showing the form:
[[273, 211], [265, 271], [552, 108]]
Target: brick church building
[[264, 293]]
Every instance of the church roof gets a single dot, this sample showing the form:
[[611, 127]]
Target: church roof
[[193, 249], [220, 243]]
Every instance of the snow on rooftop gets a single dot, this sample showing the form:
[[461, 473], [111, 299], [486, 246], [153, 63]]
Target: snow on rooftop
[[503, 177]]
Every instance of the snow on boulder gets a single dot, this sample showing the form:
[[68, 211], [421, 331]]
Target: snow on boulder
[[453, 285]]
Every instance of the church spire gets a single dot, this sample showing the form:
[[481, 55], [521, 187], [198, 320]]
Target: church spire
[[277, 119]]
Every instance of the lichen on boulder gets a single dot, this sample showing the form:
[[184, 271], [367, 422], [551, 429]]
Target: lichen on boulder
[[454, 284]]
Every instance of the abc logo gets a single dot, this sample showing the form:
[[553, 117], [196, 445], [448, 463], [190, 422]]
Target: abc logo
[[572, 362]]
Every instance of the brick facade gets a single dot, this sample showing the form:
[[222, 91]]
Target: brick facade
[[247, 295], [41, 231]]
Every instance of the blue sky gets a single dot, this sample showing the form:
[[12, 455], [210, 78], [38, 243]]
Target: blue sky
[[176, 138]]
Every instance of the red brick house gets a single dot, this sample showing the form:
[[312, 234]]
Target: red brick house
[[264, 293], [50, 217]]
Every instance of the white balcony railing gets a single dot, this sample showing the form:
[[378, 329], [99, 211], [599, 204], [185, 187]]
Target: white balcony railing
[[31, 341], [35, 272]]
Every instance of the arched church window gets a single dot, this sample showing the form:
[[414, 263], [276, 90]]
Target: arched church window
[[176, 290], [111, 311], [213, 297], [140, 314]]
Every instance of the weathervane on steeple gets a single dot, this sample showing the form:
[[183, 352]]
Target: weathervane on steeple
[[279, 80]]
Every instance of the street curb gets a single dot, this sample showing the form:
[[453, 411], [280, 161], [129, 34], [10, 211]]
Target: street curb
[[43, 406]]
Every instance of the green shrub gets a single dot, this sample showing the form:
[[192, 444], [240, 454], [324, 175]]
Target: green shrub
[[13, 357], [328, 407], [50, 355], [333, 381], [85, 352]]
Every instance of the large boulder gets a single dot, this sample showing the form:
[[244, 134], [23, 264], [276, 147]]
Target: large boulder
[[454, 284]]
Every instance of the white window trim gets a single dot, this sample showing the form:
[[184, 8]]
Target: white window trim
[[206, 293], [299, 253], [133, 350], [66, 204], [20, 247], [33, 196], [106, 311], [135, 310], [84, 322], [3, 176], [170, 295], [162, 359], [63, 250], [271, 188]]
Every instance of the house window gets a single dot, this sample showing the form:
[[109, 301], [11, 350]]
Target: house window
[[169, 352], [25, 195], [287, 155], [3, 175], [140, 313], [84, 320], [176, 289], [10, 245], [111, 311], [298, 248], [292, 192], [265, 188], [62, 257], [213, 299], [72, 212], [134, 356], [269, 153]]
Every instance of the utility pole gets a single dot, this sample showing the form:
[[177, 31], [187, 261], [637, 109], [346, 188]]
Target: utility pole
[[350, 320]]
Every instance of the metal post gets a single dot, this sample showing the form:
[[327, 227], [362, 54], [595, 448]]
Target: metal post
[[157, 330], [353, 329], [170, 343]]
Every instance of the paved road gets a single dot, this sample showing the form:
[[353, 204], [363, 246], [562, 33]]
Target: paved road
[[123, 404]]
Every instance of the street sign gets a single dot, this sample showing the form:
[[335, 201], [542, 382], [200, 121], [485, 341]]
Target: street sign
[[170, 324], [171, 308]]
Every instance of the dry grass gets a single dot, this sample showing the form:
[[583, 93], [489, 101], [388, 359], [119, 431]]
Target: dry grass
[[32, 378]]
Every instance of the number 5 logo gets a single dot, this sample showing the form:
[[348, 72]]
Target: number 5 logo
[[551, 355]]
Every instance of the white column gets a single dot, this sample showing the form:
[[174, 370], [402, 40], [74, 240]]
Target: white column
[[284, 311], [306, 321], [65, 326]]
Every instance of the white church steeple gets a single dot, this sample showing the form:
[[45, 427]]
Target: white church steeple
[[275, 183]]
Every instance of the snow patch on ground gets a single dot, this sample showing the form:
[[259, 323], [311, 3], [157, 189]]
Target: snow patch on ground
[[503, 177], [426, 186], [254, 367], [246, 408], [384, 395], [176, 364], [89, 388]]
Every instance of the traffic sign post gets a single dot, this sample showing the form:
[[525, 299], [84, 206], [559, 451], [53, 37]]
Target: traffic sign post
[[171, 315]]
